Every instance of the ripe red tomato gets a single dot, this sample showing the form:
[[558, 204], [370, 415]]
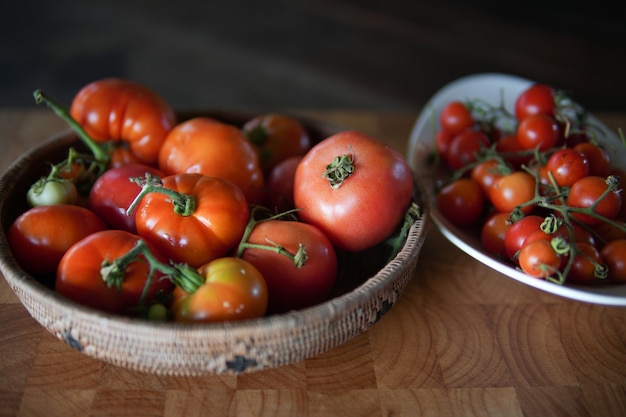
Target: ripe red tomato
[[461, 201], [583, 267], [354, 188], [276, 138], [512, 151], [567, 166], [597, 157], [536, 99], [513, 190], [538, 131], [614, 256], [588, 192], [455, 117], [40, 236], [486, 173], [206, 228], [464, 147], [538, 259], [206, 146], [292, 285], [113, 192], [233, 290], [79, 275], [279, 196], [493, 234], [519, 231], [120, 110]]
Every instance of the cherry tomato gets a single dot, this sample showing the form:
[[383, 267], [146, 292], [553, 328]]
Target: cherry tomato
[[538, 131], [79, 276], [586, 192], [276, 138], [40, 236], [464, 147], [47, 192], [113, 192], [279, 197], [206, 146], [597, 157], [207, 223], [354, 188], [536, 99], [455, 117], [493, 233], [614, 256], [233, 290], [292, 283], [461, 201], [608, 231], [512, 191], [583, 269], [123, 111], [512, 151], [567, 166], [442, 142], [518, 232], [538, 259], [487, 172]]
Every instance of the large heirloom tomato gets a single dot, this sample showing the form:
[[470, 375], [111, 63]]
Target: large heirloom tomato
[[192, 218], [207, 146], [40, 236], [233, 290], [80, 278], [122, 111], [354, 188]]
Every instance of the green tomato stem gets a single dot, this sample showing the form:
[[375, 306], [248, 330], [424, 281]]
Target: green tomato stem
[[184, 204]]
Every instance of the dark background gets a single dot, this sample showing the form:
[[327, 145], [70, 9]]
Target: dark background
[[373, 54]]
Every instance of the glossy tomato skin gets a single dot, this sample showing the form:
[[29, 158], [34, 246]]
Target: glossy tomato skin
[[456, 117], [513, 190], [462, 201], [40, 236], [114, 109], [493, 234], [276, 137], [113, 192], [233, 290], [289, 286], [207, 146], [586, 191], [567, 166], [79, 278], [536, 99], [464, 147], [518, 232], [614, 256], [213, 229], [538, 259], [538, 131], [369, 204]]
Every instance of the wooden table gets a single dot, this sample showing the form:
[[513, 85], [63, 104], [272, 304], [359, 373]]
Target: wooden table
[[463, 340]]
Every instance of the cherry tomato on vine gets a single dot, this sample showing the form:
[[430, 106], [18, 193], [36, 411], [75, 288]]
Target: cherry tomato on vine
[[354, 188], [233, 290], [614, 256], [583, 269], [597, 157], [486, 173], [593, 193], [113, 192], [513, 190], [519, 231], [117, 110], [46, 192], [567, 166], [276, 137], [536, 99], [538, 131], [493, 234], [302, 273], [464, 147], [79, 275], [455, 117], [512, 151], [538, 259], [207, 146], [40, 236], [461, 201]]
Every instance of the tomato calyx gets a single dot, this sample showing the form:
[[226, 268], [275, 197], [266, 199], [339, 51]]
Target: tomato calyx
[[299, 258], [257, 135], [182, 275], [184, 204], [396, 240], [339, 170]]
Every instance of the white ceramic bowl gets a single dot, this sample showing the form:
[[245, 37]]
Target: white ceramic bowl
[[493, 88]]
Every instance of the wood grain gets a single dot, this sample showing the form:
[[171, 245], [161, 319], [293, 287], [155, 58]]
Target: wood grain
[[462, 341]]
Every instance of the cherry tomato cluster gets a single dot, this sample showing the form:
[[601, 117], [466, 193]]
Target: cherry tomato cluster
[[535, 184], [203, 220]]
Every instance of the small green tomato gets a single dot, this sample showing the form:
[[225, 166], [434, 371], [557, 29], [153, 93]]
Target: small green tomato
[[46, 192]]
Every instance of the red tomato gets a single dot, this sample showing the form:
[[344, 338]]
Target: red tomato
[[614, 256], [292, 283], [195, 233], [493, 233], [276, 138], [487, 172], [113, 192], [354, 188], [598, 159], [40, 236], [464, 147], [567, 166], [455, 117], [120, 110], [79, 275], [538, 259], [512, 191], [461, 201], [538, 131], [279, 197], [233, 290], [512, 151], [583, 269], [536, 99], [589, 192], [519, 231], [207, 146], [442, 142]]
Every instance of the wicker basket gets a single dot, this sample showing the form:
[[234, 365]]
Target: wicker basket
[[368, 288]]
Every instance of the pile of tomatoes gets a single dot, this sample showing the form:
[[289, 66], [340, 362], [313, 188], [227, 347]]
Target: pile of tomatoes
[[536, 184], [199, 219]]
